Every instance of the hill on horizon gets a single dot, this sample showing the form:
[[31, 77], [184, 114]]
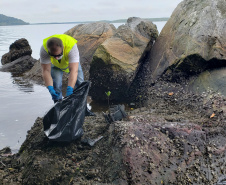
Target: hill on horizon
[[6, 20], [108, 21]]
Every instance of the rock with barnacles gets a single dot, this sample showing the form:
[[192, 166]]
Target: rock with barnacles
[[18, 60], [166, 143]]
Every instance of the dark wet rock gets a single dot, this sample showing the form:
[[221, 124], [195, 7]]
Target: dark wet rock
[[18, 60], [141, 81], [192, 41], [19, 66], [90, 36], [17, 49], [117, 58], [35, 74]]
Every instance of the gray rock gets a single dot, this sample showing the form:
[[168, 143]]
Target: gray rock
[[209, 80], [194, 35], [19, 66], [35, 73], [192, 41]]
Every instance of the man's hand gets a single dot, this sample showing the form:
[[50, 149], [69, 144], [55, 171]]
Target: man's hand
[[69, 91], [53, 93]]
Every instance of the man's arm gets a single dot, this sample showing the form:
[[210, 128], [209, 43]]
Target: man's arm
[[46, 74], [73, 67]]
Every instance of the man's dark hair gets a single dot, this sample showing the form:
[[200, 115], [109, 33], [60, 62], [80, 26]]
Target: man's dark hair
[[53, 43]]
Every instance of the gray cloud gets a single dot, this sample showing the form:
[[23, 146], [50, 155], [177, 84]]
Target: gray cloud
[[89, 10]]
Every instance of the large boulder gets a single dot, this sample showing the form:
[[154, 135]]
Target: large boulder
[[194, 36], [17, 49], [115, 61], [18, 60], [89, 37], [192, 41]]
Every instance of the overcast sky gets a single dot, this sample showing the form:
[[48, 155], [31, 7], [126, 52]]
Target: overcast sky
[[44, 11]]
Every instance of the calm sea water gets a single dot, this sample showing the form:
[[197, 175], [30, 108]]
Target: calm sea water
[[22, 102]]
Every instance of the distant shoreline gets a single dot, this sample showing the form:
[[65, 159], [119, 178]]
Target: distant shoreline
[[114, 21], [123, 21]]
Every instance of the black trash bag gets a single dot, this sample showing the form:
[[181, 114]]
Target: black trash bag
[[64, 121], [116, 113]]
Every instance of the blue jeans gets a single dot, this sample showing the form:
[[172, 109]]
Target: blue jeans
[[57, 76]]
